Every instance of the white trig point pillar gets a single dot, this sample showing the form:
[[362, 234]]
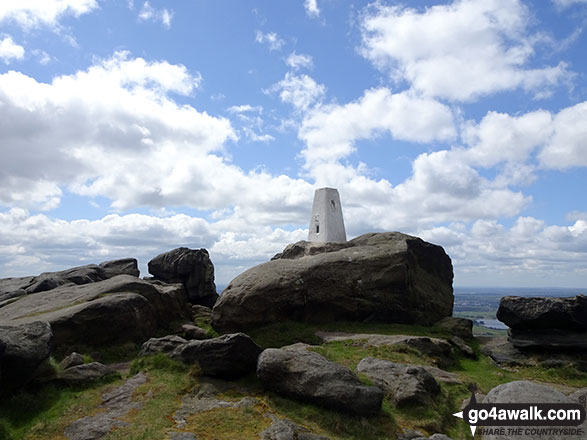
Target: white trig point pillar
[[326, 223]]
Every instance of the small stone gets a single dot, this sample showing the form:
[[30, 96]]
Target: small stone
[[72, 360]]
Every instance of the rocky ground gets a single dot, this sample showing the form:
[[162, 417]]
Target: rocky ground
[[97, 353]]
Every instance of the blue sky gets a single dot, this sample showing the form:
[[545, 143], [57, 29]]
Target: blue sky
[[128, 128]]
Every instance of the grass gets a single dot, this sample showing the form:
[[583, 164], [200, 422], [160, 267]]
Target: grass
[[334, 424], [43, 414], [168, 380], [289, 332], [46, 412], [244, 423]]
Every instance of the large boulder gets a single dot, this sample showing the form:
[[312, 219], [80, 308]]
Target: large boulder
[[388, 277], [528, 392], [306, 375], [543, 312], [228, 356], [545, 323], [91, 273], [119, 309], [551, 339], [190, 267], [408, 385], [25, 348]]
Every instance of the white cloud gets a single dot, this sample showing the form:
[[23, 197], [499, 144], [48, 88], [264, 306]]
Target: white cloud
[[9, 50], [270, 39], [459, 51], [311, 7], [244, 109], [500, 137], [298, 61], [330, 131], [301, 91], [34, 13], [148, 13], [568, 146]]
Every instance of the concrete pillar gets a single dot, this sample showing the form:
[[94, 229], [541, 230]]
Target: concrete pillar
[[326, 223]]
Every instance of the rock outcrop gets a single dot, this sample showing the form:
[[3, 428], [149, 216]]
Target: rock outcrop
[[528, 392], [545, 323], [118, 309], [387, 277], [228, 356], [408, 385], [190, 267], [25, 348], [91, 273], [306, 375]]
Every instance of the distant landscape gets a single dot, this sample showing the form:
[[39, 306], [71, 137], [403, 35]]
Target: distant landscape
[[480, 304]]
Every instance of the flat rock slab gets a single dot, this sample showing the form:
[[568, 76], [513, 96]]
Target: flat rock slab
[[408, 385], [284, 429], [544, 312], [434, 347], [308, 376], [504, 353], [119, 309], [116, 403], [528, 392], [81, 374], [15, 287]]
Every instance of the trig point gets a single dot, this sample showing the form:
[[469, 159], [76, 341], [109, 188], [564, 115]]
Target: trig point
[[326, 223]]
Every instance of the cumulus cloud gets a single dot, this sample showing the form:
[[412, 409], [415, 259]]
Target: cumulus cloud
[[30, 244], [148, 13], [270, 39], [301, 91], [460, 51], [330, 131], [33, 13], [298, 61], [9, 50], [114, 130], [311, 7], [568, 146]]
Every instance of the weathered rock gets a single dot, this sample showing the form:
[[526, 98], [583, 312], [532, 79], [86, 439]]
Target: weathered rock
[[579, 396], [434, 437], [82, 374], [553, 338], [165, 345], [119, 309], [308, 376], [544, 312], [190, 331], [72, 360], [228, 356], [25, 348], [436, 348], [14, 287], [408, 385], [201, 312], [283, 429], [388, 277], [504, 353], [116, 404], [528, 392], [461, 327], [190, 267], [463, 347]]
